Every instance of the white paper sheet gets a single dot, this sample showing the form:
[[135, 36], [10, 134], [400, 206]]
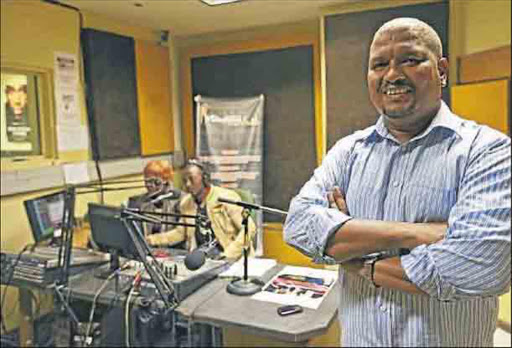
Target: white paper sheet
[[72, 138], [76, 173], [256, 267]]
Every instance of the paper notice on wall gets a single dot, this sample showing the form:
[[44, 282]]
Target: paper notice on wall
[[72, 138], [76, 173], [66, 70], [68, 107], [71, 135]]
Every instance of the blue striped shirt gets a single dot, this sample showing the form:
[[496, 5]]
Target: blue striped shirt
[[455, 171]]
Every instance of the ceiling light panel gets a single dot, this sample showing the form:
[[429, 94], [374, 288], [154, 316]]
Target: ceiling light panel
[[218, 2]]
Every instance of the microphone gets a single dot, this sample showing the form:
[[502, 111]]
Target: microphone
[[252, 206], [197, 257], [239, 203], [172, 194]]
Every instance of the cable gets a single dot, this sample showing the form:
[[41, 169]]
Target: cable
[[134, 288], [93, 309], [95, 301], [127, 317], [100, 179], [4, 328]]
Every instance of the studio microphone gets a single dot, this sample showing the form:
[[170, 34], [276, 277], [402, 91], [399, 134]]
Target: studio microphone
[[252, 206], [197, 257], [172, 195], [239, 203]]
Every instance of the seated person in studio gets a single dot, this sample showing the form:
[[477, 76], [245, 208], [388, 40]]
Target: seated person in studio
[[225, 220], [158, 176]]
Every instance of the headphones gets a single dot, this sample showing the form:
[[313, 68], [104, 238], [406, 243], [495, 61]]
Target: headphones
[[205, 171]]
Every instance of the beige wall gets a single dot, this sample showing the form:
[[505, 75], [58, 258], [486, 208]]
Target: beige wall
[[476, 26], [481, 24], [31, 32]]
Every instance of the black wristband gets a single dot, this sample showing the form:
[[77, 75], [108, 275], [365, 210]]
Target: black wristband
[[372, 271]]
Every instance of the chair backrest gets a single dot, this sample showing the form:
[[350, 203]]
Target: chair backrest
[[247, 196]]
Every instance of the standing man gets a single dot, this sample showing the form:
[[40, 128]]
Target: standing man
[[415, 209], [224, 229]]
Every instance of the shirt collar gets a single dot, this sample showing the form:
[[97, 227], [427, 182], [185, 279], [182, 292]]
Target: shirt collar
[[443, 119]]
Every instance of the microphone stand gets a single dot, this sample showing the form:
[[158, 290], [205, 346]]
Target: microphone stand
[[162, 284], [66, 243], [247, 286], [66, 237]]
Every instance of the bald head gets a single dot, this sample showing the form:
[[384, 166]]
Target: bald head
[[417, 29]]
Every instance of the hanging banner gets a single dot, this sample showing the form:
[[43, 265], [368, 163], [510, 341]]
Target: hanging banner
[[230, 139]]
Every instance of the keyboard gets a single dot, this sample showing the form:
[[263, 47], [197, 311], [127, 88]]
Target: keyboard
[[41, 265], [53, 251]]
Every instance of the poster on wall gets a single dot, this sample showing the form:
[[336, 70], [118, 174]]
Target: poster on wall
[[19, 126], [230, 139]]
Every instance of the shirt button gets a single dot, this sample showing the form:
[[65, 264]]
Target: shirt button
[[395, 183]]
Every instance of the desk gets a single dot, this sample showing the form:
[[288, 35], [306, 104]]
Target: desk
[[258, 317], [212, 304]]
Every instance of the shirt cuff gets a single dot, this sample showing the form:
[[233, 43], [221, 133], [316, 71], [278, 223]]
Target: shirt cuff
[[338, 220], [419, 266]]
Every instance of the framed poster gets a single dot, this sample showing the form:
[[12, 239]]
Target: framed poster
[[19, 115]]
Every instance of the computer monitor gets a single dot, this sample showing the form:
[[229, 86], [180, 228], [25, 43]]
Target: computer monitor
[[45, 215], [109, 232]]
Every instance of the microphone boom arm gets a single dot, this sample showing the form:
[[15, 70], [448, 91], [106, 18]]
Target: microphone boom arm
[[142, 216], [253, 206]]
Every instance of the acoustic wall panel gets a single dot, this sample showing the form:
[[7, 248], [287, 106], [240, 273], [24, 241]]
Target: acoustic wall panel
[[111, 94], [285, 78], [347, 42]]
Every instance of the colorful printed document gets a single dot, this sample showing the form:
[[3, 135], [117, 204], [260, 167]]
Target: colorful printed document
[[298, 285]]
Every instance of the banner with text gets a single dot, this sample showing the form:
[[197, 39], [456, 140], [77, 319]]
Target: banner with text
[[230, 139]]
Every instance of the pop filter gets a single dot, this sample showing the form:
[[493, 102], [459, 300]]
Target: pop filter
[[195, 259]]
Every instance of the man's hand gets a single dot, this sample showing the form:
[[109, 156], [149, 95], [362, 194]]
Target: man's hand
[[337, 200], [429, 233]]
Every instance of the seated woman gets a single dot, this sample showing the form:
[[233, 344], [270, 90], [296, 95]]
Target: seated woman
[[158, 176], [225, 220]]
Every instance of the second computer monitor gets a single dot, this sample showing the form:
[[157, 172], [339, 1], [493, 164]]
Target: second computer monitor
[[109, 232], [45, 215]]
